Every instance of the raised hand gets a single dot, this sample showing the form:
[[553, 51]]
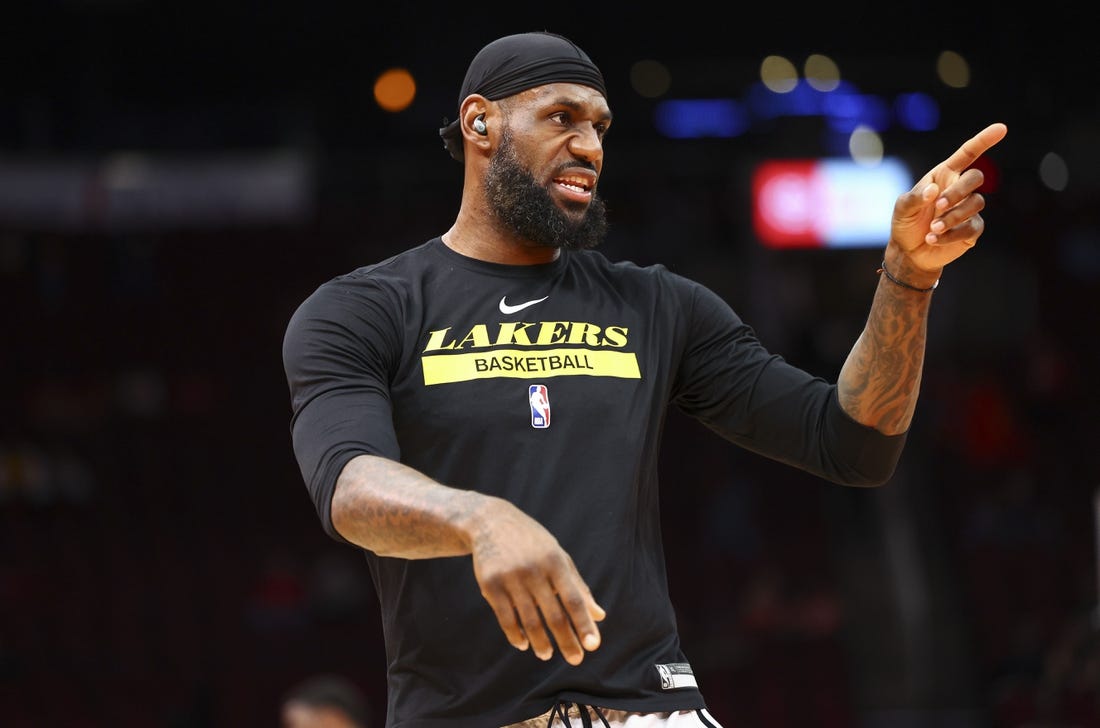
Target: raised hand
[[939, 218]]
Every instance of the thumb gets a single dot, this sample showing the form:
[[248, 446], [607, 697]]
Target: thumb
[[913, 214]]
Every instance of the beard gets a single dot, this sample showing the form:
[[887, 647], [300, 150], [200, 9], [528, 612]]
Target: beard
[[526, 208]]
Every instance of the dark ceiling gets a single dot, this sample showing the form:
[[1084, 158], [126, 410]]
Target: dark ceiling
[[93, 75]]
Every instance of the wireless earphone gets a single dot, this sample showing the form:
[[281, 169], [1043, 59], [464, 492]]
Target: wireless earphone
[[479, 125]]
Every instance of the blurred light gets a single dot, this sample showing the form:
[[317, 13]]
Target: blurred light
[[126, 170], [135, 191], [695, 118], [953, 69], [395, 89], [1053, 172], [650, 78], [991, 173], [778, 74], [780, 93], [800, 100], [865, 146], [821, 73], [830, 203], [845, 112], [917, 111]]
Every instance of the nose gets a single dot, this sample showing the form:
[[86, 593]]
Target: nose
[[586, 143]]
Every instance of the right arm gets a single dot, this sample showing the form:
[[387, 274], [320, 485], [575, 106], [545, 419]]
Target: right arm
[[394, 510], [530, 582], [335, 353]]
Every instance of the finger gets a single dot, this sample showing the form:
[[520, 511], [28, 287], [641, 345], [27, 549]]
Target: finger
[[964, 235], [960, 189], [530, 620], [595, 611], [966, 208], [975, 147], [582, 612], [913, 206], [587, 613], [561, 627], [505, 613], [922, 194]]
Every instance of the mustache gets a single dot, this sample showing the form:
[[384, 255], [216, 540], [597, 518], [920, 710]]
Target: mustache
[[583, 164]]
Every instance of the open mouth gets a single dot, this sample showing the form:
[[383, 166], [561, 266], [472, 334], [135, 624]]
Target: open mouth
[[574, 183]]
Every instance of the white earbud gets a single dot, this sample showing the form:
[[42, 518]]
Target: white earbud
[[479, 126]]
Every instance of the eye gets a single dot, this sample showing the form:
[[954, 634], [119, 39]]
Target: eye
[[565, 118]]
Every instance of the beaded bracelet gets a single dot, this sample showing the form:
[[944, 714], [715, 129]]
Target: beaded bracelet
[[902, 283]]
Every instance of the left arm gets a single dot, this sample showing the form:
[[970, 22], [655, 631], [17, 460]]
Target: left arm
[[934, 223]]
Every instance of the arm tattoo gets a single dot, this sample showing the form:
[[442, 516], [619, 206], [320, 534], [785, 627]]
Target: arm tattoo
[[880, 380], [393, 510]]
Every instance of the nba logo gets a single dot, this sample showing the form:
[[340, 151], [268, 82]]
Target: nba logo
[[540, 406]]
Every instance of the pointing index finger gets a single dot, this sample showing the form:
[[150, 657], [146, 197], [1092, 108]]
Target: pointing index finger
[[976, 146]]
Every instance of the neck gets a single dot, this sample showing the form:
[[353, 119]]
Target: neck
[[483, 241]]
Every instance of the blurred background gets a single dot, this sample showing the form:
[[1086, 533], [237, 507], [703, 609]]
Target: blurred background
[[174, 180]]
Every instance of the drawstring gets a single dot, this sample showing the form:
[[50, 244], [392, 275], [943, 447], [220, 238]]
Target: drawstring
[[561, 712]]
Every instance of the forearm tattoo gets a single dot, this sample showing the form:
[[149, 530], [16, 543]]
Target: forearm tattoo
[[880, 381], [393, 510]]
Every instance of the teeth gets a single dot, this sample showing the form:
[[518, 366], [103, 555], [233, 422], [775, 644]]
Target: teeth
[[579, 185]]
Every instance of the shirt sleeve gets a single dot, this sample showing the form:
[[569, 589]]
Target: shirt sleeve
[[337, 352], [734, 385]]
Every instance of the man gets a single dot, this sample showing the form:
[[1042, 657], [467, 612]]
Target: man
[[324, 701], [481, 414]]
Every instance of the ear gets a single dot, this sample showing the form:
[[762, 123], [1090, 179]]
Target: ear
[[477, 106]]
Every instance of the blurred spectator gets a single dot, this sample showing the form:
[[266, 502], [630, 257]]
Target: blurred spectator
[[325, 701]]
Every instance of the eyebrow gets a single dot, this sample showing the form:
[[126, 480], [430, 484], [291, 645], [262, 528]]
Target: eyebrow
[[577, 106]]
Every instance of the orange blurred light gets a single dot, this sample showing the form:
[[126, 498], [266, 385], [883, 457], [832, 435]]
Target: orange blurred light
[[395, 89]]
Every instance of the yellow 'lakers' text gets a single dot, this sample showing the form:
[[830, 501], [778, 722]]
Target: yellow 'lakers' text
[[473, 354], [522, 333]]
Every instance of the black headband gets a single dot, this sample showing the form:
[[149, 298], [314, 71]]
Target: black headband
[[516, 63]]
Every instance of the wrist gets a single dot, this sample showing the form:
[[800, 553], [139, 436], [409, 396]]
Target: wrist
[[899, 269], [477, 513]]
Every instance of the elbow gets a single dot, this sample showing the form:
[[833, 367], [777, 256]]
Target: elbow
[[341, 521], [859, 455], [345, 504], [872, 478], [871, 482], [863, 472], [861, 482], [342, 512]]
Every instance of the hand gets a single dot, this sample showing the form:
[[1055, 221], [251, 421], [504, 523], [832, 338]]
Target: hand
[[938, 220], [532, 584]]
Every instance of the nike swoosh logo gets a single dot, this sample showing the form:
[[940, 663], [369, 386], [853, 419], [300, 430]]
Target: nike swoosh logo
[[505, 308]]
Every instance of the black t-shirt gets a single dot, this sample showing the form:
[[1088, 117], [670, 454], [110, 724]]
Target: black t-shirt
[[547, 385]]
